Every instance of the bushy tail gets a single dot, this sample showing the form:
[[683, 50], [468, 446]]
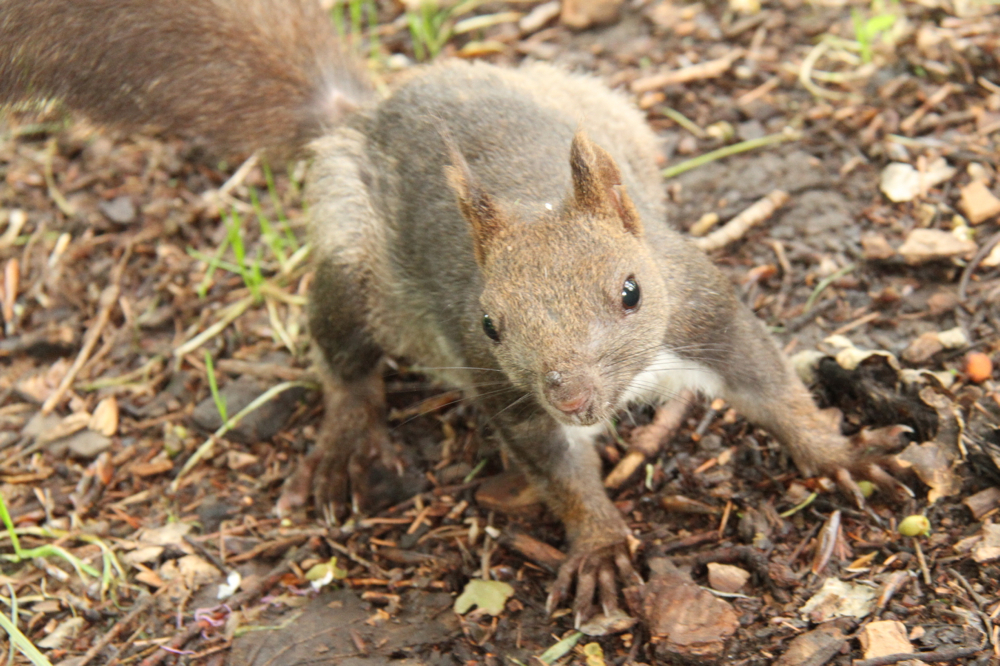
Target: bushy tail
[[241, 73]]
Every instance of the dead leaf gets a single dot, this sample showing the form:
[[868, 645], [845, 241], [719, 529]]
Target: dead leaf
[[838, 598], [988, 549], [65, 631], [932, 464], [490, 596]]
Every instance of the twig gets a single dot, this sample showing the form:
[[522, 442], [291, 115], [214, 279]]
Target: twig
[[944, 654], [50, 181], [647, 441], [264, 370], [970, 268], [758, 92], [923, 563], [703, 70], [140, 607], [742, 223], [11, 283], [734, 149], [940, 95], [109, 297], [16, 220]]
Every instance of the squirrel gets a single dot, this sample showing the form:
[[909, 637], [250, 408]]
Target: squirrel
[[504, 228]]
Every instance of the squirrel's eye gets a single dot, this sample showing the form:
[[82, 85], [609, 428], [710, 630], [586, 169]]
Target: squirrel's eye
[[630, 294], [490, 329]]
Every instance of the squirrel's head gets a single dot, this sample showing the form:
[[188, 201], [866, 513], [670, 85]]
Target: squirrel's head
[[573, 304]]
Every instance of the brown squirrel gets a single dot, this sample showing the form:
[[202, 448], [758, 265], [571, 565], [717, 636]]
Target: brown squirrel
[[503, 227]]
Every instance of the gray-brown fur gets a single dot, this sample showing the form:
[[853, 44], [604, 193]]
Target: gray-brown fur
[[267, 73], [529, 195]]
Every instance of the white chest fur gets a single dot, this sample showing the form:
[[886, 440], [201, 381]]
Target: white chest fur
[[661, 380], [667, 376]]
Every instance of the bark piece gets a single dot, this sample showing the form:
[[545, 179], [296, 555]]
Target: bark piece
[[983, 502], [885, 637], [685, 621], [814, 648]]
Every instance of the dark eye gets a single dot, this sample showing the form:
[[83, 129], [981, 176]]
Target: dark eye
[[490, 329], [630, 294]]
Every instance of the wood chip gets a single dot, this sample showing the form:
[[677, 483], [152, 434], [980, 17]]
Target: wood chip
[[923, 245], [742, 223], [983, 502], [704, 70], [885, 637], [726, 577], [979, 203]]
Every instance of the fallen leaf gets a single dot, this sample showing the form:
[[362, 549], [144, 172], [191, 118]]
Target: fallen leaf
[[64, 632], [988, 549], [489, 595], [902, 182], [322, 574], [838, 598], [933, 466], [923, 348]]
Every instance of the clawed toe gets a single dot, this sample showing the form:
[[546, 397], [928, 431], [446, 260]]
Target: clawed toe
[[595, 571]]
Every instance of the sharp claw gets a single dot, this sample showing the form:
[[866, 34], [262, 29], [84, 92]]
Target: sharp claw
[[578, 620], [604, 607], [550, 603]]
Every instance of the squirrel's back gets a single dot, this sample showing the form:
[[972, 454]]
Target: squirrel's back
[[242, 73]]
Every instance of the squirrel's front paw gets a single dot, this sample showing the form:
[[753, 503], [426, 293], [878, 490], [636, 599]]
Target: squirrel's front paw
[[596, 560], [342, 472], [867, 455]]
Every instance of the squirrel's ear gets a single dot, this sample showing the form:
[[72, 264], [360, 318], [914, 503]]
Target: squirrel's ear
[[477, 207], [597, 183]]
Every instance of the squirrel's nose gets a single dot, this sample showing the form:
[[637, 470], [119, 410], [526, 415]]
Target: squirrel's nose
[[573, 405]]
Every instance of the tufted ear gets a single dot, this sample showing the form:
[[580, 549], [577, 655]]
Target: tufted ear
[[478, 208], [597, 184]]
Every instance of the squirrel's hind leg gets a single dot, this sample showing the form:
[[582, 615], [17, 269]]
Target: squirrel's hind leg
[[352, 447]]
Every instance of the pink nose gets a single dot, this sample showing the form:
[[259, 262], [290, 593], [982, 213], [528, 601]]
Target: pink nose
[[573, 405]]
